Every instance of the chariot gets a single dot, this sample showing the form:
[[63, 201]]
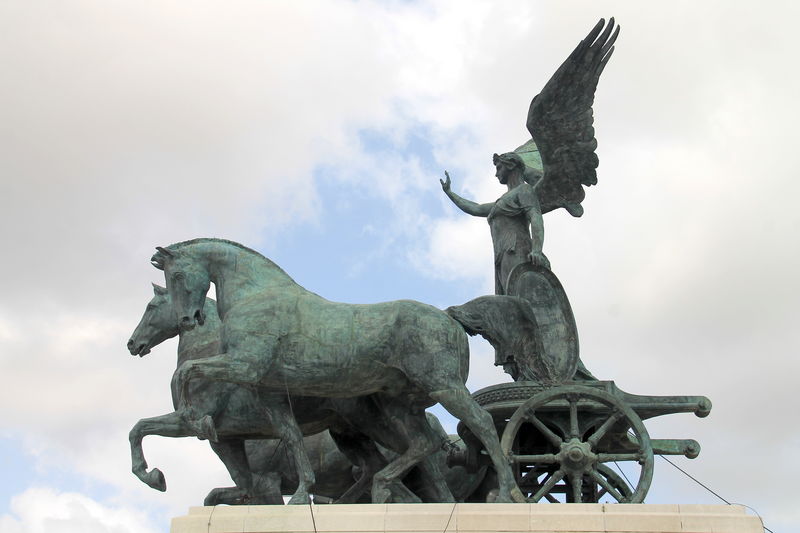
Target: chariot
[[566, 438]]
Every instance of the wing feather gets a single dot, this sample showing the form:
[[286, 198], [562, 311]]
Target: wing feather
[[560, 120]]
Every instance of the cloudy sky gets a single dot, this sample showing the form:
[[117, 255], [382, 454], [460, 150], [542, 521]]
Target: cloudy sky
[[316, 132]]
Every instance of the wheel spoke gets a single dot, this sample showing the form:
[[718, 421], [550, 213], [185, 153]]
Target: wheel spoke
[[557, 476], [554, 439], [573, 417], [576, 480], [601, 431], [547, 458], [552, 499], [609, 457], [547, 477], [603, 482], [531, 475]]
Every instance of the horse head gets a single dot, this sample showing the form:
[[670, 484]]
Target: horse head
[[157, 324], [187, 284]]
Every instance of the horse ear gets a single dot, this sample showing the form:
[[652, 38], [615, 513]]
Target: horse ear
[[159, 290], [160, 257]]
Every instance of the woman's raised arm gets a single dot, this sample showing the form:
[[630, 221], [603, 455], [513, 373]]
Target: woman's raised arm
[[469, 207]]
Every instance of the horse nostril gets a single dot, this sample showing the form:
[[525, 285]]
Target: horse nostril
[[130, 344]]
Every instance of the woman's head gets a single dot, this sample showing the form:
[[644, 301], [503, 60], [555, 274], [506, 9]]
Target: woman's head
[[507, 165], [511, 163]]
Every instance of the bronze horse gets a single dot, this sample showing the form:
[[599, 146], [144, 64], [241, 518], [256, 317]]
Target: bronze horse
[[259, 466], [277, 336]]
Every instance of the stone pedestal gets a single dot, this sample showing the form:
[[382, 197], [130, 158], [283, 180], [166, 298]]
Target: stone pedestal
[[468, 517]]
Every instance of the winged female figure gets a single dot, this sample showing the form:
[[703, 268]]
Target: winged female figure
[[547, 172]]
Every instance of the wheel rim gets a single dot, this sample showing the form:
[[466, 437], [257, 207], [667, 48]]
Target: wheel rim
[[561, 440]]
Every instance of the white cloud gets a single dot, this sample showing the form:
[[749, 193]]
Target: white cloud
[[44, 510], [453, 245]]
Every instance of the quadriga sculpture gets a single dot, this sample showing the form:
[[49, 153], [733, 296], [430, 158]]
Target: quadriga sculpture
[[259, 466], [277, 336]]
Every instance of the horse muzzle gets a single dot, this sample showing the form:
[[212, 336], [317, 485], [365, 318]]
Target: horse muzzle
[[141, 349]]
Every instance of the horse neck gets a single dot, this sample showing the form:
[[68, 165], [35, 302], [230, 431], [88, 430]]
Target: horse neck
[[202, 341], [238, 274]]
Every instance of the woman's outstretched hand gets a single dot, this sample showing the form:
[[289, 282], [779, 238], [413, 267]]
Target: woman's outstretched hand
[[445, 183]]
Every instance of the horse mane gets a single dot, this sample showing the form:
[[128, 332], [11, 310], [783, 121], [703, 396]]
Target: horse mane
[[201, 240]]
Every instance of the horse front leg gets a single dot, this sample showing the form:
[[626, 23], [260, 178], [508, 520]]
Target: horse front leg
[[224, 368], [251, 488], [283, 421], [169, 425]]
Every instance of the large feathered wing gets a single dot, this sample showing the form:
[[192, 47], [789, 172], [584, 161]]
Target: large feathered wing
[[560, 122]]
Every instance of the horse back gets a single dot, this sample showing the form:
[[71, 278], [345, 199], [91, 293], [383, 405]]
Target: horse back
[[333, 349]]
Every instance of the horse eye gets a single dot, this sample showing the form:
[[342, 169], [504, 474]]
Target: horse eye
[[178, 275], [150, 307]]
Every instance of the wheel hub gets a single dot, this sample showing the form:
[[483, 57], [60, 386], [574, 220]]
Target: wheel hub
[[575, 456]]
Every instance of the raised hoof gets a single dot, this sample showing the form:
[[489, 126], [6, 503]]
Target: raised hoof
[[155, 479]]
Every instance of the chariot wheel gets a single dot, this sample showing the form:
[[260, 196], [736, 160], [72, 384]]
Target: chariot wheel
[[561, 440]]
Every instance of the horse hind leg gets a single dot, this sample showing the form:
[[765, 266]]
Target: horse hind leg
[[427, 479], [361, 452], [282, 419], [461, 405], [266, 489], [434, 485], [420, 445]]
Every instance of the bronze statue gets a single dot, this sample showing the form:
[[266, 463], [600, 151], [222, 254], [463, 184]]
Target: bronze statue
[[546, 173], [284, 363]]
